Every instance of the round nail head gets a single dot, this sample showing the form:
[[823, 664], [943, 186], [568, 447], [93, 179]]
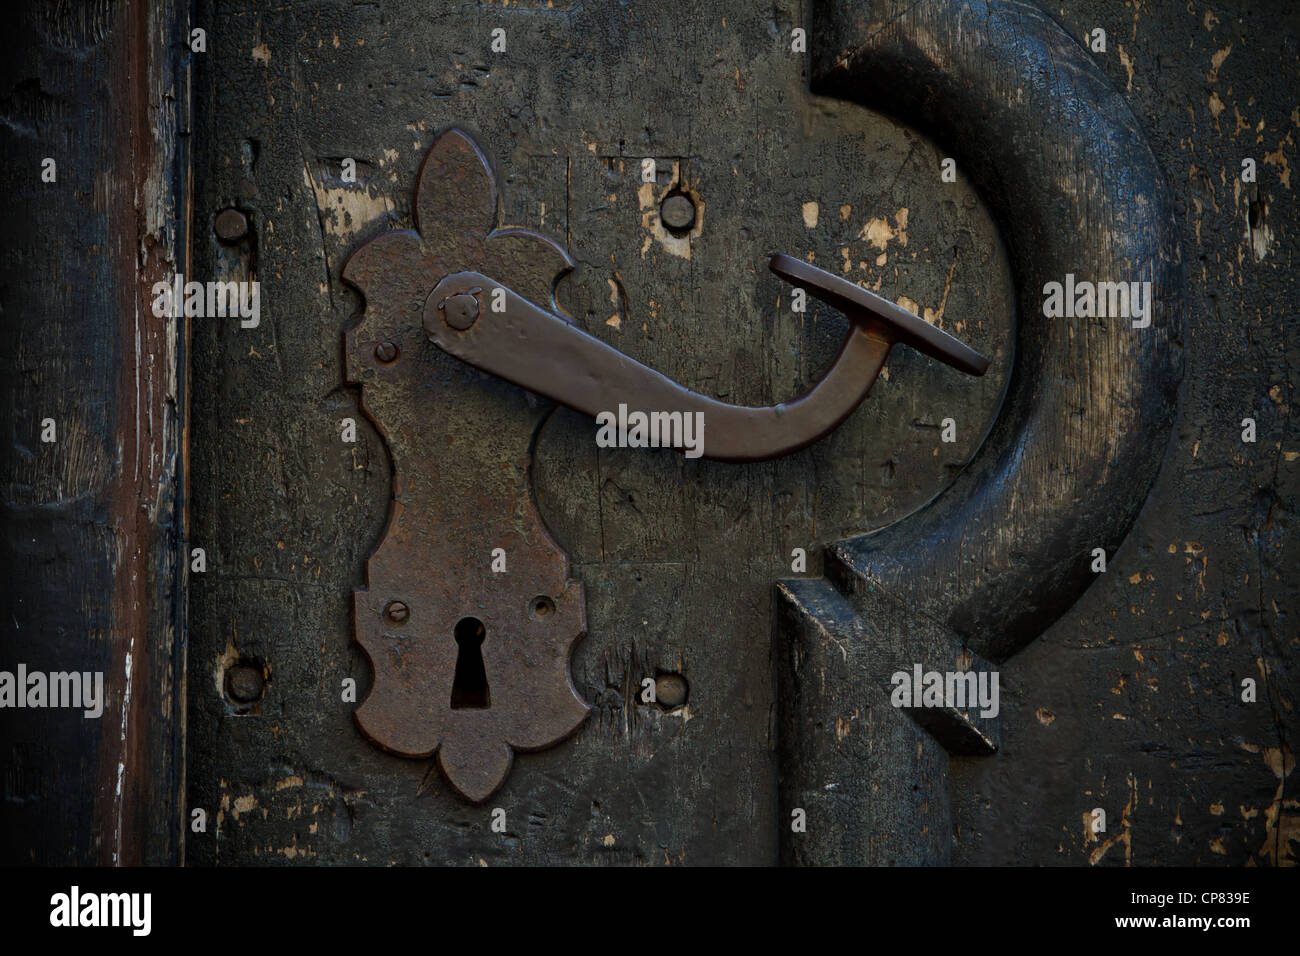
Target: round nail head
[[671, 690], [461, 311], [231, 225], [245, 683], [677, 212]]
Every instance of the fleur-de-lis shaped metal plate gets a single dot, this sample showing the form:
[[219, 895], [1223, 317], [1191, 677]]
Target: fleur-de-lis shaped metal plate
[[470, 617]]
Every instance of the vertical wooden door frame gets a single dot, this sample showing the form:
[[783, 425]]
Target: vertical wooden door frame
[[94, 549]]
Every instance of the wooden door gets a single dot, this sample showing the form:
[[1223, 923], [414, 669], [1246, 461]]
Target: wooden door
[[678, 558], [919, 151]]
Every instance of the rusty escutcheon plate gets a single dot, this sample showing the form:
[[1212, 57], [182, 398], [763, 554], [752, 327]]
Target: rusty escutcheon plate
[[470, 663]]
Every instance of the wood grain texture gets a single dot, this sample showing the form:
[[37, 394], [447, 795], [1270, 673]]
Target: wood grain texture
[[656, 540], [1075, 190], [1008, 547], [678, 558], [872, 785], [1131, 701], [92, 532]]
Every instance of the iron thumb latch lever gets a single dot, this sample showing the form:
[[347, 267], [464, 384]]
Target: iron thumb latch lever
[[485, 323], [470, 613]]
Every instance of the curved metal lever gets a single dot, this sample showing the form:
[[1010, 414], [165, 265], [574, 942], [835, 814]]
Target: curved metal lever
[[519, 341], [426, 580]]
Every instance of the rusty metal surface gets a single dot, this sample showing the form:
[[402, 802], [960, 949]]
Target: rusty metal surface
[[541, 351], [892, 321], [470, 663]]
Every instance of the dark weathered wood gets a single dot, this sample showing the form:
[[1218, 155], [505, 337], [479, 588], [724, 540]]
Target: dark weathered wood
[[678, 558], [1076, 191], [1009, 546], [1132, 700], [90, 553], [871, 784]]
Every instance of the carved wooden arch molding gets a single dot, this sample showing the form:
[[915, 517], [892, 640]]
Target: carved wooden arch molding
[[987, 566]]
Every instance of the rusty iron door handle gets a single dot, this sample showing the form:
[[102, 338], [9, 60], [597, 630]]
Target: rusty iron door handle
[[485, 323], [469, 616]]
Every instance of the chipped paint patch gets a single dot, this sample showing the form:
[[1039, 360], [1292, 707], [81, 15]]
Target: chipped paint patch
[[933, 316], [262, 54], [1259, 232], [1125, 834], [293, 850], [1281, 822], [844, 725], [1278, 158], [346, 210], [649, 199], [614, 319], [228, 658], [1127, 62], [1216, 61], [811, 211], [879, 233], [618, 299]]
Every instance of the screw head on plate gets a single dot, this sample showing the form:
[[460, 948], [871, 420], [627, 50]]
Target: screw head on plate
[[397, 612], [386, 352], [460, 310]]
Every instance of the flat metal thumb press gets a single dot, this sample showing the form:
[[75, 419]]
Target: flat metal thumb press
[[470, 616]]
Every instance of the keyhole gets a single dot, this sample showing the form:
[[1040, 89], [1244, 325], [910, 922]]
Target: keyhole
[[470, 687]]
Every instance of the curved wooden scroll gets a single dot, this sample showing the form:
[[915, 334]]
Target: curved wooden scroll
[[1059, 157], [989, 564]]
